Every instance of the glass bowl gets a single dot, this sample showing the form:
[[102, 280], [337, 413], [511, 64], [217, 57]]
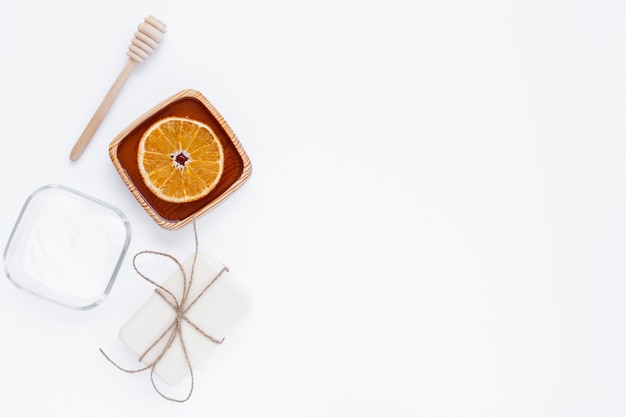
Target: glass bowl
[[67, 247]]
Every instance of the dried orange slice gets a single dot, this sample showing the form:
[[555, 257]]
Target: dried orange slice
[[180, 160]]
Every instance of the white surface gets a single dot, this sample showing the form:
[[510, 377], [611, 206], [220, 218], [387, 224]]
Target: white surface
[[435, 224], [215, 303]]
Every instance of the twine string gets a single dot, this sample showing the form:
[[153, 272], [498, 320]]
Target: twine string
[[174, 330]]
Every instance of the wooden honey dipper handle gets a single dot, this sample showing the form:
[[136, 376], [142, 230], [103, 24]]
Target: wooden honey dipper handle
[[149, 34]]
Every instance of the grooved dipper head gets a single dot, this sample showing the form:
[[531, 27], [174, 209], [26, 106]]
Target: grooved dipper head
[[149, 34]]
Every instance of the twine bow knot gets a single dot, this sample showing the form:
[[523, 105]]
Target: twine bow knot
[[174, 330]]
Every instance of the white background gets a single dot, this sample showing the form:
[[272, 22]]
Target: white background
[[435, 224]]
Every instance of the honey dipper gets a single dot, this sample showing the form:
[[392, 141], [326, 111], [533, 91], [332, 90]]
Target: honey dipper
[[149, 34]]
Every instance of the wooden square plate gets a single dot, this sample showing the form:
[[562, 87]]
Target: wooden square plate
[[191, 104]]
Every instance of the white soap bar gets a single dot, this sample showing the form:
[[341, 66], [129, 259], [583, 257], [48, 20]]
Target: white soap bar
[[215, 312]]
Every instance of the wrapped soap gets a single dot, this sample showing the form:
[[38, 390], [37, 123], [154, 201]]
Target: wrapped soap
[[205, 301]]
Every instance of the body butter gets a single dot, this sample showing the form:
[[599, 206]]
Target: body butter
[[66, 247]]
